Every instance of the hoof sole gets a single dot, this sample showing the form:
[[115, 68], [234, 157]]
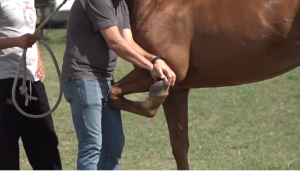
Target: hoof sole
[[158, 88]]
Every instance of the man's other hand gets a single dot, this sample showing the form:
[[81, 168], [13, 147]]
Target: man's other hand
[[163, 71]]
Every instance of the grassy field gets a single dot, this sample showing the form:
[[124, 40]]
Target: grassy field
[[254, 126]]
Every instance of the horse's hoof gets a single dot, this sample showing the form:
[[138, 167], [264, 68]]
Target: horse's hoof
[[152, 103], [158, 88]]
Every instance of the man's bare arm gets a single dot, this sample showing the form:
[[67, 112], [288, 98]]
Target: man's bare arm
[[7, 43], [38, 50], [123, 49], [127, 34], [25, 41], [40, 72]]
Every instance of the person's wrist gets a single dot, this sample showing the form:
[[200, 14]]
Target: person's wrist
[[158, 57], [15, 41], [150, 57]]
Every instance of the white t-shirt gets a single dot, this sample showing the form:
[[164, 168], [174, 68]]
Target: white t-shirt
[[17, 17]]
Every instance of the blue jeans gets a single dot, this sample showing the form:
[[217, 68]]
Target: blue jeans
[[98, 127]]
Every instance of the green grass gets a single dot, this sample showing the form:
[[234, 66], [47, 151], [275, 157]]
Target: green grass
[[254, 126]]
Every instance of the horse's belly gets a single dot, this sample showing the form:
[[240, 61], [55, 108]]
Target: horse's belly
[[235, 70], [234, 67]]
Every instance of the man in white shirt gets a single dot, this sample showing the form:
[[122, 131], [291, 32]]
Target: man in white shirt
[[17, 25]]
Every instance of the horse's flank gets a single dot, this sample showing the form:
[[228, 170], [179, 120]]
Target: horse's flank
[[220, 43]]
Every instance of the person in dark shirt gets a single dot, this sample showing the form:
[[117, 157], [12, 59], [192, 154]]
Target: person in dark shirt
[[98, 32]]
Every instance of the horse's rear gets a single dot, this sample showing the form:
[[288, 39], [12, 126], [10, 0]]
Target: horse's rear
[[237, 42]]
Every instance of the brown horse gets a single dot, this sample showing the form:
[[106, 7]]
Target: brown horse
[[207, 43]]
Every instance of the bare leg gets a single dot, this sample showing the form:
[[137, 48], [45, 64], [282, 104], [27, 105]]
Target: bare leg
[[137, 81], [176, 111]]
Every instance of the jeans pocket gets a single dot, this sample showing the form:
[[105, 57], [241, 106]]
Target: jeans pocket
[[67, 90]]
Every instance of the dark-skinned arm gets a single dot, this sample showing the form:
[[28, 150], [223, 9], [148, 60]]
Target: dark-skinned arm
[[24, 41]]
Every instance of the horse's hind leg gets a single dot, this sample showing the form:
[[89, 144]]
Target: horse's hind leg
[[176, 111]]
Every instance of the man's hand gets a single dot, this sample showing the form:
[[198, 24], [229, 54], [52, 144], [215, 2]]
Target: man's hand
[[26, 40], [160, 69], [163, 71], [40, 72]]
